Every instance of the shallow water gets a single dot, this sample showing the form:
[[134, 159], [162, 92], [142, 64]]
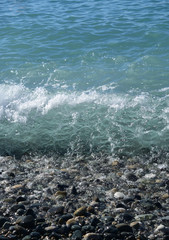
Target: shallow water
[[84, 77]]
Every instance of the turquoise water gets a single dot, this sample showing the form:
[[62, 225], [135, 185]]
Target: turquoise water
[[84, 77]]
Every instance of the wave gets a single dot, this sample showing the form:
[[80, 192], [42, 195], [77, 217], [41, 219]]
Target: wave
[[97, 120]]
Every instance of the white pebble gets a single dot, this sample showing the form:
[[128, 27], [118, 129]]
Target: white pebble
[[119, 195], [159, 228]]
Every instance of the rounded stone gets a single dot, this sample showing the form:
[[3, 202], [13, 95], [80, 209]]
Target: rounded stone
[[92, 236], [123, 227], [64, 218], [71, 222], [80, 211], [119, 195], [26, 221], [77, 235]]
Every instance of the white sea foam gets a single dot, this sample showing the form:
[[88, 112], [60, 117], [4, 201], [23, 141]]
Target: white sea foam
[[17, 102]]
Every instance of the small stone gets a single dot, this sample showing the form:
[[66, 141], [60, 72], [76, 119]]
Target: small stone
[[110, 229], [161, 227], [21, 199], [17, 187], [95, 221], [119, 195], [119, 210], [135, 225], [71, 222], [65, 218], [87, 229], [131, 177], [132, 166], [26, 221], [27, 237], [91, 209], [50, 229], [7, 225], [56, 210], [150, 176], [35, 235], [19, 230], [2, 237], [73, 190], [165, 196], [115, 163], [122, 227], [165, 219], [75, 227], [2, 221], [61, 194], [77, 235], [145, 217], [15, 207], [80, 211], [92, 236]]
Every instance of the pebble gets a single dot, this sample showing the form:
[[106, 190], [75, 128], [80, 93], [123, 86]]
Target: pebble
[[26, 221], [71, 222], [145, 217], [123, 227], [92, 236], [123, 202], [119, 195], [135, 225], [3, 220], [77, 235], [80, 211]]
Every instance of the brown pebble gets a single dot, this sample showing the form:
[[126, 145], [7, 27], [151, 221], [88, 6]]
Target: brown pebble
[[71, 221], [92, 236], [165, 196], [135, 225], [80, 211], [91, 209]]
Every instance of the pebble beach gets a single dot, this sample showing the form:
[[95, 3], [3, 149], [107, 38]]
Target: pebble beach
[[42, 198]]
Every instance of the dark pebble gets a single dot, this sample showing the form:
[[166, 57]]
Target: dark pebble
[[77, 235], [20, 212], [87, 229], [75, 227], [121, 205], [73, 190], [132, 177], [128, 200], [127, 236], [26, 221], [21, 199], [54, 236], [30, 212], [111, 229], [35, 235], [3, 220], [3, 237], [147, 205], [109, 219], [15, 207], [62, 187], [7, 225], [137, 197], [95, 221], [18, 230], [12, 237], [165, 219], [126, 217], [63, 219], [122, 227]]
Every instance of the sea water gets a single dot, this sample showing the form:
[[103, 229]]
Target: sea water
[[84, 77]]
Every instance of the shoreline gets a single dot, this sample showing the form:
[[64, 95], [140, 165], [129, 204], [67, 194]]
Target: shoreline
[[84, 198]]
